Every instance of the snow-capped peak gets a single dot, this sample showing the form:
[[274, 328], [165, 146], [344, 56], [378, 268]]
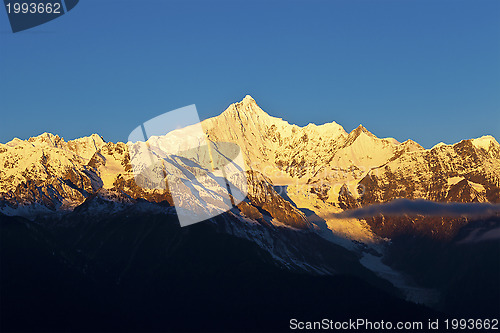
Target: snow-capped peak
[[47, 139], [246, 106], [411, 145], [484, 142], [361, 129], [14, 142], [441, 144], [248, 99], [356, 133]]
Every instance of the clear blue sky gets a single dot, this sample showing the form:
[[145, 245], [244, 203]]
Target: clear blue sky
[[425, 70]]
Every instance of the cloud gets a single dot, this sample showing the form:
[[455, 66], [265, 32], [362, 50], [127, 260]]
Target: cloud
[[400, 207], [481, 235]]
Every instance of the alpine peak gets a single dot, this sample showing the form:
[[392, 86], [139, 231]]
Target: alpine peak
[[361, 128], [246, 108], [411, 145], [248, 98], [439, 145], [355, 133], [484, 142], [47, 138], [248, 103]]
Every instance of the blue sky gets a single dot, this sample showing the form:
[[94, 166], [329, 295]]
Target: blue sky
[[425, 70]]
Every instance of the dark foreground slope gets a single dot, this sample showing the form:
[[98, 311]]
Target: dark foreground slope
[[133, 272], [465, 269]]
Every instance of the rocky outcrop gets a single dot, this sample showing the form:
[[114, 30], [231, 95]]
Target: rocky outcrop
[[262, 194]]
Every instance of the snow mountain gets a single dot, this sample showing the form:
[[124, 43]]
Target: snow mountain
[[320, 168], [298, 180]]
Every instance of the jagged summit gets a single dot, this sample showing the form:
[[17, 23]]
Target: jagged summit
[[248, 99], [361, 129], [248, 111], [47, 136], [485, 142], [410, 145], [247, 107], [55, 140], [439, 145], [47, 139], [357, 133]]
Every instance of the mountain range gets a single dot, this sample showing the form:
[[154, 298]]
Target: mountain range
[[321, 168], [80, 201]]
